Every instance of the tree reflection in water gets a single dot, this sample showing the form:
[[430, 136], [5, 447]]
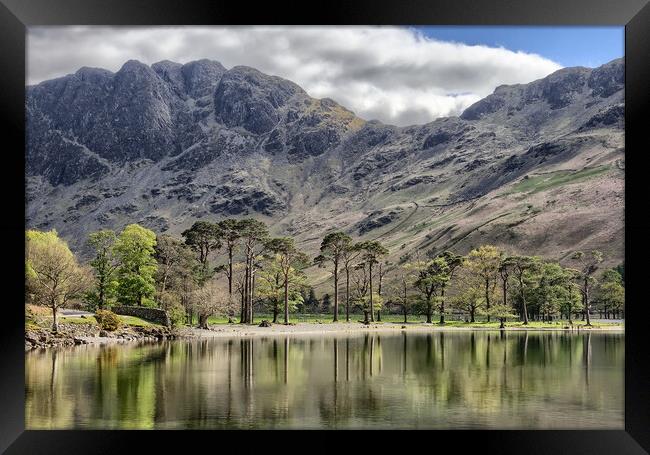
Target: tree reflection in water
[[403, 380]]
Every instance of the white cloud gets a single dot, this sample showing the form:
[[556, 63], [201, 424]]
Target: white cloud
[[392, 74]]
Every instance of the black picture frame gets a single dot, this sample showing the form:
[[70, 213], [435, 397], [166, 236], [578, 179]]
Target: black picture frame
[[16, 15]]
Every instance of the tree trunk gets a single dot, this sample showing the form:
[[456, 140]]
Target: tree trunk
[[203, 321], [162, 289], [55, 324], [286, 299], [249, 304], [246, 291], [372, 315], [487, 298], [471, 315], [347, 295], [252, 296], [428, 310], [230, 270], [275, 311], [442, 306], [405, 321], [101, 295], [241, 316], [381, 276], [336, 291], [587, 303], [524, 310], [502, 325], [378, 316]]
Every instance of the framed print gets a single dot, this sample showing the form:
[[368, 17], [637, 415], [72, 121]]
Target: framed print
[[412, 216]]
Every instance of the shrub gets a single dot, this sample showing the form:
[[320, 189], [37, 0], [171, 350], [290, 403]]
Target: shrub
[[176, 315], [107, 320]]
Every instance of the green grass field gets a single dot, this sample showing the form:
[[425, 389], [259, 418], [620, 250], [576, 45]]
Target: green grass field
[[412, 319], [539, 183], [355, 318]]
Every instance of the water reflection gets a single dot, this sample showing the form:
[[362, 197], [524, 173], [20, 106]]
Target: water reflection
[[426, 380]]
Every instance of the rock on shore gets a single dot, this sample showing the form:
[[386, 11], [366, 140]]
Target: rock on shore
[[77, 334]]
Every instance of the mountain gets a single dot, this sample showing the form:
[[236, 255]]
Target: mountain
[[535, 168]]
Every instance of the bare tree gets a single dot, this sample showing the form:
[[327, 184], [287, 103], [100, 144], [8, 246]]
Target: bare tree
[[213, 298]]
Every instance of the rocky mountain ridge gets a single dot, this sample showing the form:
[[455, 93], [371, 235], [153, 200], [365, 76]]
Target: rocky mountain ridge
[[536, 168]]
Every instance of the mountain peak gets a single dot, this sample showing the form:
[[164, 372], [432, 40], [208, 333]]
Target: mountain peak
[[165, 65], [251, 99], [87, 72], [205, 63], [134, 65]]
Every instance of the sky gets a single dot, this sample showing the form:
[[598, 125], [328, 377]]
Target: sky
[[399, 75]]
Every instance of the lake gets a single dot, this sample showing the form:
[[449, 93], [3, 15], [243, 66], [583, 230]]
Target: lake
[[437, 380]]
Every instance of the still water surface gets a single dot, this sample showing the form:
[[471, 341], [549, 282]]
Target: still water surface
[[416, 380]]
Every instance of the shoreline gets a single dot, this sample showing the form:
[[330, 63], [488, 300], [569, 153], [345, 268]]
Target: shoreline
[[74, 338], [82, 334], [237, 330]]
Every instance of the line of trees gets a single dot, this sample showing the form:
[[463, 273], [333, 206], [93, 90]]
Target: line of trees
[[489, 282], [233, 267]]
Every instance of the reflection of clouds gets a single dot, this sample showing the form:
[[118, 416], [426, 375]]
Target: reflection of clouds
[[392, 74]]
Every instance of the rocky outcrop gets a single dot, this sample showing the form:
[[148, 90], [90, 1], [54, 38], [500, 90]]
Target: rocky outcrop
[[250, 99], [78, 334], [378, 219]]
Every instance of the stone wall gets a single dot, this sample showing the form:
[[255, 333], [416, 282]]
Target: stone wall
[[150, 314]]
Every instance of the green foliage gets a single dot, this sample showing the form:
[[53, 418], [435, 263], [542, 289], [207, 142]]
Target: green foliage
[[230, 230], [372, 251], [335, 244], [431, 277], [588, 264], [203, 237], [176, 315], [177, 268], [470, 297], [310, 301], [53, 276], [400, 292], [107, 320], [135, 248], [104, 266], [500, 311], [621, 271], [362, 303], [271, 286], [137, 266], [253, 232], [551, 289], [485, 262], [326, 303], [611, 293], [333, 249]]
